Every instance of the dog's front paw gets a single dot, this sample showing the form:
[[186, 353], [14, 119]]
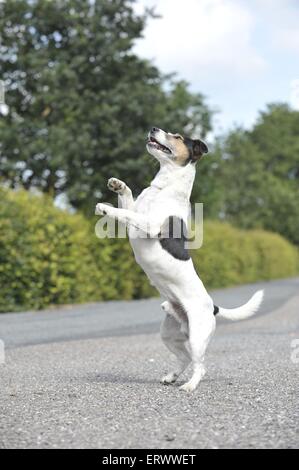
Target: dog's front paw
[[169, 378], [101, 209], [116, 185]]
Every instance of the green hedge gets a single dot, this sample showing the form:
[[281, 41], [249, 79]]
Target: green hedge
[[45, 255], [48, 256], [230, 256]]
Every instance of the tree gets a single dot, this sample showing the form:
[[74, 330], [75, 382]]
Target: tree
[[257, 174], [80, 101]]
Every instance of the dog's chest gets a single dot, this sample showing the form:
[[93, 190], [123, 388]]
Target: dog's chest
[[148, 200], [150, 204]]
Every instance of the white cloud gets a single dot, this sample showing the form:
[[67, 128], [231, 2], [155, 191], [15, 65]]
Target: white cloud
[[201, 37], [240, 54], [281, 22], [288, 39]]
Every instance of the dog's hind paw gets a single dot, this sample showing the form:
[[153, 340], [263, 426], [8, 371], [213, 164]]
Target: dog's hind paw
[[169, 378], [188, 387], [194, 381]]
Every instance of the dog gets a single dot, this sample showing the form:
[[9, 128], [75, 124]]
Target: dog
[[159, 211]]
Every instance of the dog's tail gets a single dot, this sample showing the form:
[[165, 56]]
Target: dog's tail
[[245, 311]]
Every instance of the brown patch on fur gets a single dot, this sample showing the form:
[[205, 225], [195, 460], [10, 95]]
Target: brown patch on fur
[[181, 152], [185, 149], [179, 149]]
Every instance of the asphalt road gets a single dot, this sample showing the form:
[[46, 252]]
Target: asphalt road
[[87, 377], [96, 320]]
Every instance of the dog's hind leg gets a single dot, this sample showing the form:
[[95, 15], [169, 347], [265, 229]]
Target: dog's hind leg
[[174, 339], [201, 328]]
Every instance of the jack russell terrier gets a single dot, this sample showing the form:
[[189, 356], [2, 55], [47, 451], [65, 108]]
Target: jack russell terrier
[[159, 211]]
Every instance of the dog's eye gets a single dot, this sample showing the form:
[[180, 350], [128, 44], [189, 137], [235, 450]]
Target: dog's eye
[[178, 136]]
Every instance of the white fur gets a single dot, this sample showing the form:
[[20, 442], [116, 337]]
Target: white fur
[[245, 311], [187, 336]]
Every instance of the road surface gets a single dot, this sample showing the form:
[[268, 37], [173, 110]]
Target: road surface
[[87, 377]]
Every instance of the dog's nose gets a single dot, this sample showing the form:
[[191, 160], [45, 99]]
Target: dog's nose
[[154, 129]]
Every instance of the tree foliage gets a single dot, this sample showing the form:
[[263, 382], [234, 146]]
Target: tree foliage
[[252, 177], [80, 101]]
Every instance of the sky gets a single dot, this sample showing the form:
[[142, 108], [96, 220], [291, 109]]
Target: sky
[[240, 54]]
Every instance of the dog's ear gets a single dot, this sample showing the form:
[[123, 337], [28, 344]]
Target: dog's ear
[[198, 149]]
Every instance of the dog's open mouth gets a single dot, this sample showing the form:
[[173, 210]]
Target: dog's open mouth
[[154, 143]]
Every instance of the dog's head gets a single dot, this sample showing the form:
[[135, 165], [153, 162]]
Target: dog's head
[[174, 147]]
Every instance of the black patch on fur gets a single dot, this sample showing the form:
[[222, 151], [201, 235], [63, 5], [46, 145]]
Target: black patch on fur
[[216, 309], [173, 237]]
